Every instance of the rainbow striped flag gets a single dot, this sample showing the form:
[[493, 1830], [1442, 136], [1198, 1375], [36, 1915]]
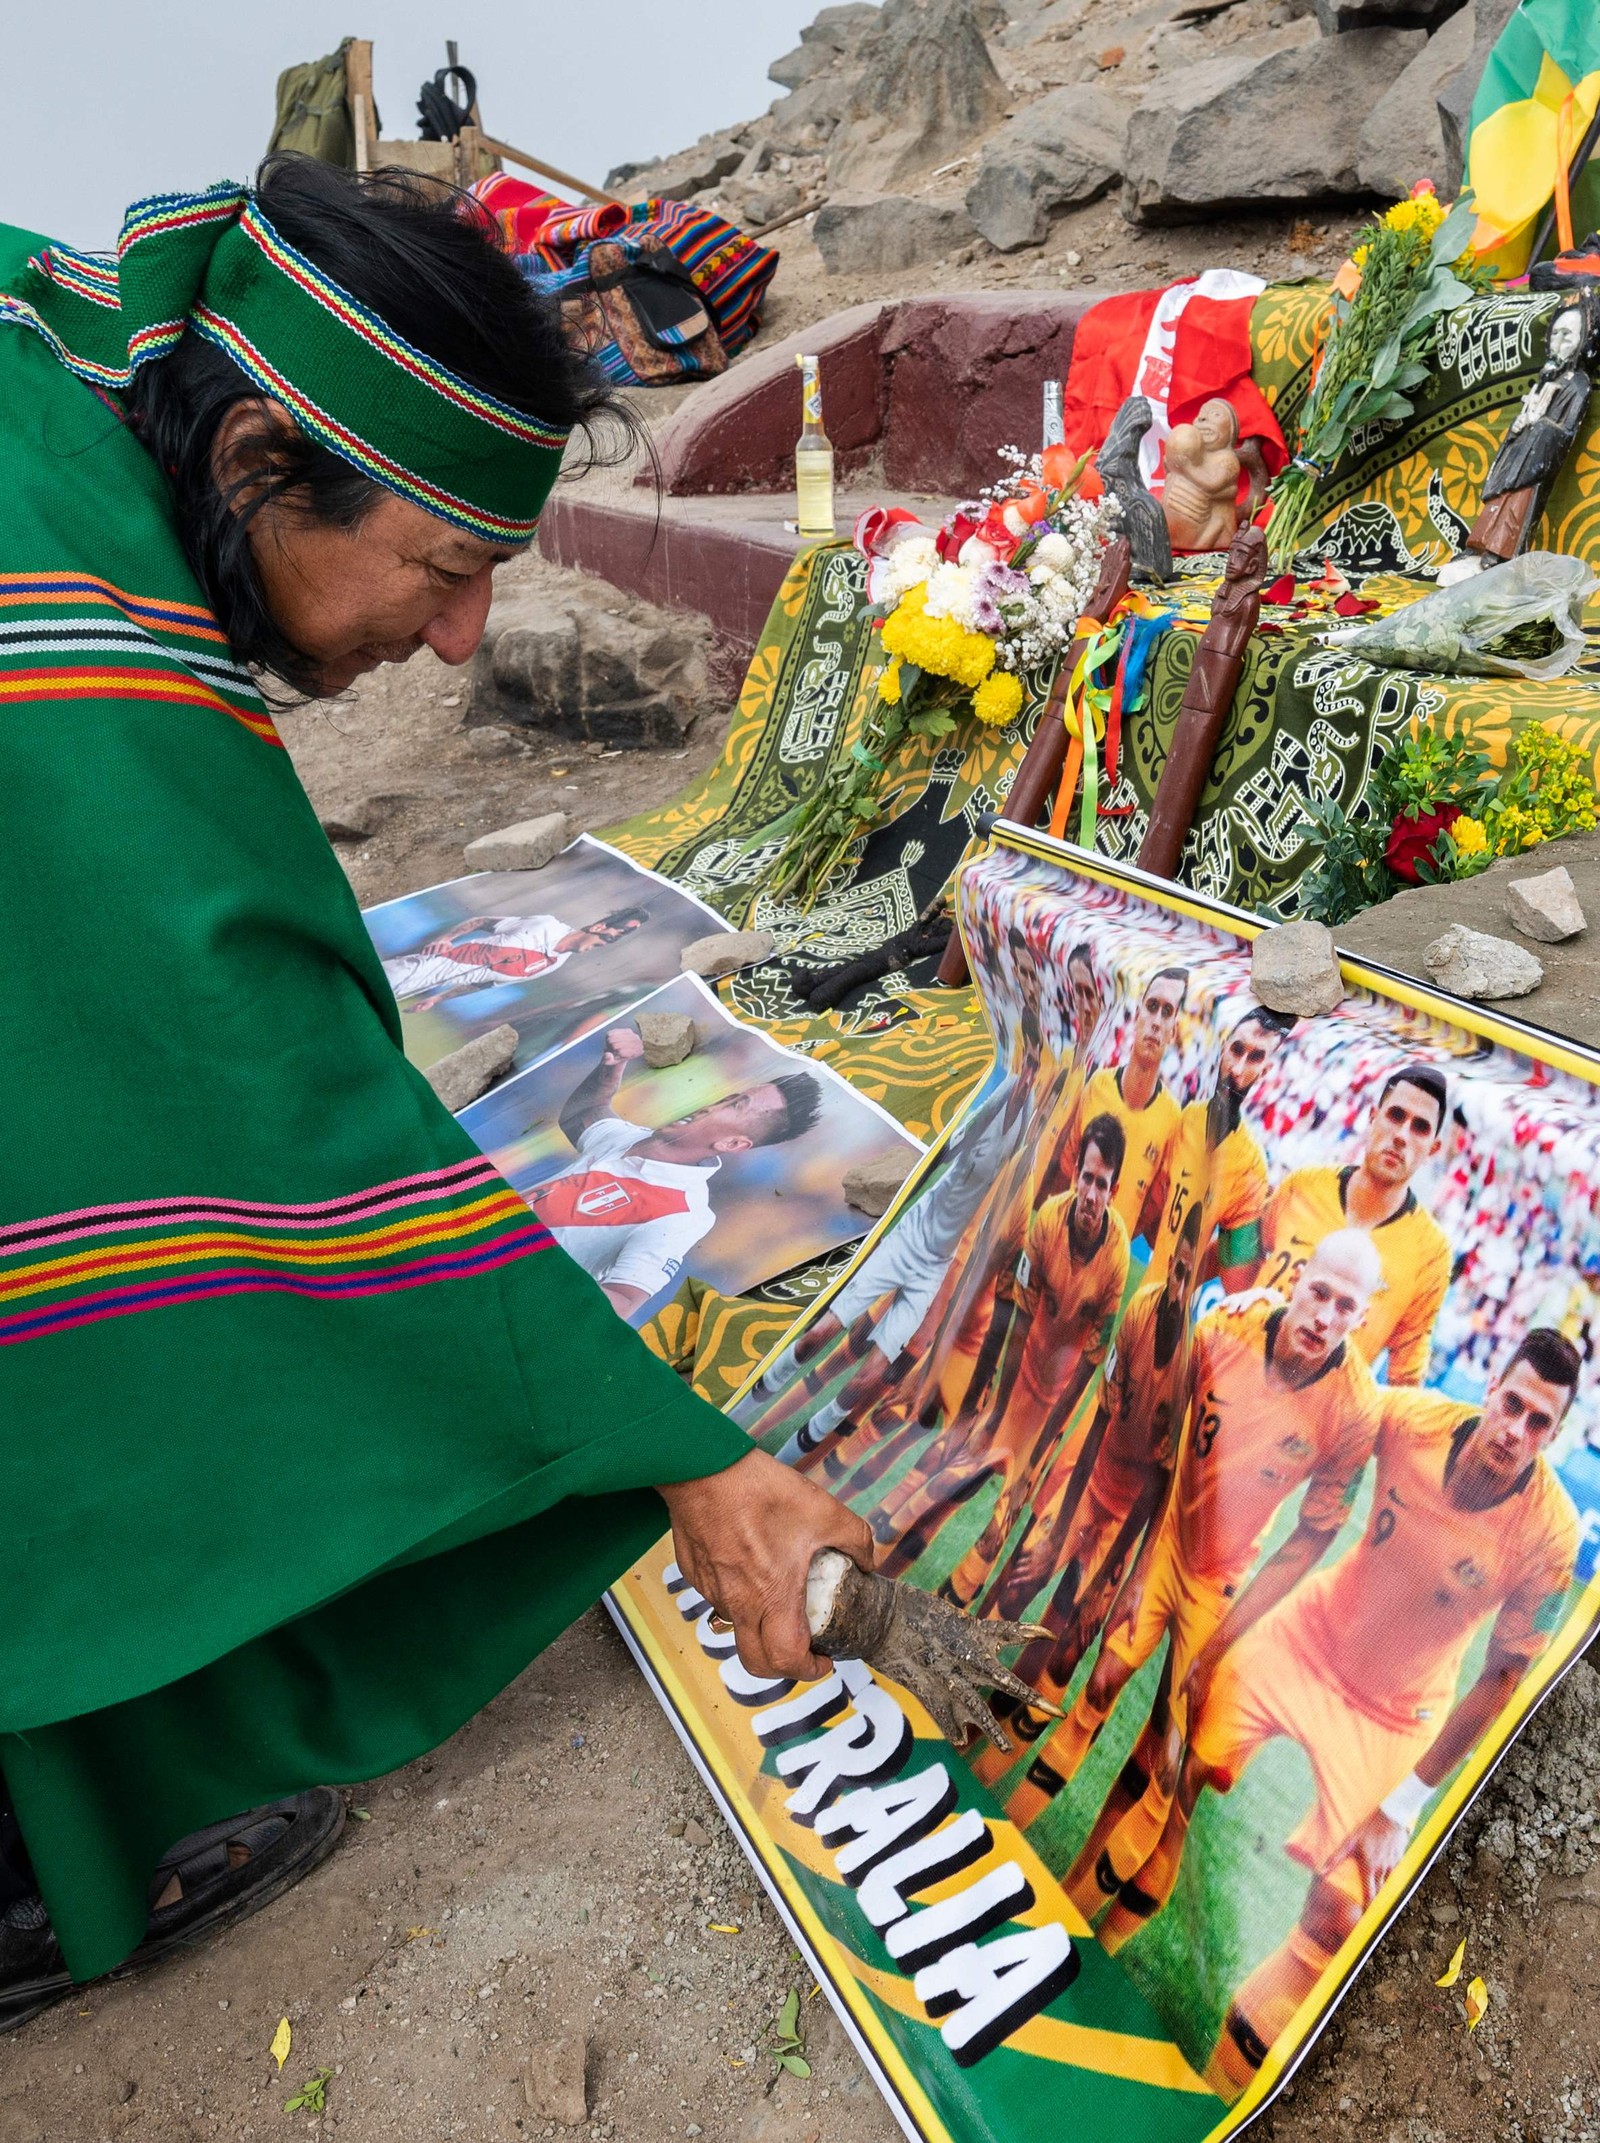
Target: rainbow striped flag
[[1539, 91]]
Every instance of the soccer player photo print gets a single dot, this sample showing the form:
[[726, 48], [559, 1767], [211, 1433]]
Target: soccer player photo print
[[1250, 1358]]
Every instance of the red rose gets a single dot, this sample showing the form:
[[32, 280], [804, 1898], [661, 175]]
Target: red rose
[[1411, 841], [953, 534]]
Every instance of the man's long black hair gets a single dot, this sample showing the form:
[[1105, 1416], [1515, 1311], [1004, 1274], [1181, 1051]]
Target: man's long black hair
[[428, 262]]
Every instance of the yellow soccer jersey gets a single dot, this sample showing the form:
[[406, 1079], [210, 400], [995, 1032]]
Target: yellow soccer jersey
[[1071, 1303], [1148, 1131], [1307, 1207], [1230, 1181], [1391, 1621], [1144, 1402], [1248, 1445]]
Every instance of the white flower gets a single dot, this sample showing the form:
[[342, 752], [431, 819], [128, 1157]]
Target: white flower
[[950, 592], [908, 566], [1054, 550]]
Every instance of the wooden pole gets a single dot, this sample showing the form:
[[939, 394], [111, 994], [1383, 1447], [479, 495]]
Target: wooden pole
[[359, 97], [1207, 698], [510, 155], [1042, 762]]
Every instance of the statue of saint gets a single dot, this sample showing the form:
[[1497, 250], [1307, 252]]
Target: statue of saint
[[1535, 448], [1201, 501]]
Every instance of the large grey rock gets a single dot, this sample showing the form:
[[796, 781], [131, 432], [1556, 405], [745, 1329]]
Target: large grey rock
[[604, 667], [1277, 119], [358, 818], [878, 236], [1546, 907], [1402, 140], [871, 1185], [1336, 17], [1471, 963], [725, 952], [1063, 149], [1294, 968], [668, 1038], [527, 846], [472, 1069], [926, 90], [836, 31], [1489, 18]]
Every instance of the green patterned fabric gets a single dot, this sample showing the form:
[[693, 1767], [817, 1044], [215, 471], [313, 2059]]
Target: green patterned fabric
[[312, 1436], [212, 262], [1313, 720]]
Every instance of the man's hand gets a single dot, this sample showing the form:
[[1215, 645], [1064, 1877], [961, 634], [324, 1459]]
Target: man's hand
[[1197, 1685], [622, 1045], [745, 1539], [1377, 1847]]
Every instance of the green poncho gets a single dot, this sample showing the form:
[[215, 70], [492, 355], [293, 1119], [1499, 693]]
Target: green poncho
[[311, 1439]]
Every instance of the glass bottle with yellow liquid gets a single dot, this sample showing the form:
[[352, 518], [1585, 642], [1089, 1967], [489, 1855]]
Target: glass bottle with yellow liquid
[[813, 460]]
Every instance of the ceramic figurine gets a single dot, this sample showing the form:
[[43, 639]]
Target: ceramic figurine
[[1207, 697], [1201, 500], [1118, 464], [1537, 445]]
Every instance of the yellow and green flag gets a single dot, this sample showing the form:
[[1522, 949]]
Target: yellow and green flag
[[1538, 94]]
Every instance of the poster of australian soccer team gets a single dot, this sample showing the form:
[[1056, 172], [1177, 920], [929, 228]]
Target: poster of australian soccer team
[[1251, 1358]]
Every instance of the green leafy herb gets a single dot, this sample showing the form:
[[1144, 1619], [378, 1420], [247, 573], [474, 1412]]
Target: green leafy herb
[[788, 2046], [312, 2096]]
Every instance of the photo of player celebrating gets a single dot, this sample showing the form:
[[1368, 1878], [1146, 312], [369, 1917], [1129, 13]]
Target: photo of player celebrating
[[1405, 1132], [1361, 1664], [487, 950], [635, 1202], [1072, 1275], [1280, 1398]]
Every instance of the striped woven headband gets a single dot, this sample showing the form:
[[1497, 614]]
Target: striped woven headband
[[213, 261]]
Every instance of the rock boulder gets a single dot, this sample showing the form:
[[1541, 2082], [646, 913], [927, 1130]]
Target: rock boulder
[[1063, 149], [879, 235], [1294, 968], [926, 90], [1471, 963], [1402, 140], [1335, 18], [604, 668], [1277, 119], [1546, 907]]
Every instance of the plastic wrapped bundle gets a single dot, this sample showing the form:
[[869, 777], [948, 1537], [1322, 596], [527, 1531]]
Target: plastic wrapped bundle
[[1514, 620]]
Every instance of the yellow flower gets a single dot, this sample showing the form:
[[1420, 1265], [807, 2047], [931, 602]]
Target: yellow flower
[[1421, 212], [1469, 836], [889, 683], [998, 699]]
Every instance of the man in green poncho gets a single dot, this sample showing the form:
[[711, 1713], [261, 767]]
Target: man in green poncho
[[311, 1436]]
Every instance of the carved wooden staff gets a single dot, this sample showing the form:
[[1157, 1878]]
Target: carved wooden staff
[[1042, 762], [1218, 665]]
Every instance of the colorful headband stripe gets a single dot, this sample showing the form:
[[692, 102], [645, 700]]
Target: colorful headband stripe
[[363, 321], [214, 262], [320, 425]]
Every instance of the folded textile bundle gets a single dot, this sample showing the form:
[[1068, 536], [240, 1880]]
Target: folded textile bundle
[[554, 243]]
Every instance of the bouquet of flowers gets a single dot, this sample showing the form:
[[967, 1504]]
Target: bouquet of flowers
[[965, 611], [1388, 302], [1436, 811]]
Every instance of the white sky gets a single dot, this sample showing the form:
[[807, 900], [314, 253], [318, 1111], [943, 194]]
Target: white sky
[[109, 103]]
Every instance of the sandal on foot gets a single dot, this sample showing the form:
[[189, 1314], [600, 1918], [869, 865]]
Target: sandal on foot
[[207, 1882]]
